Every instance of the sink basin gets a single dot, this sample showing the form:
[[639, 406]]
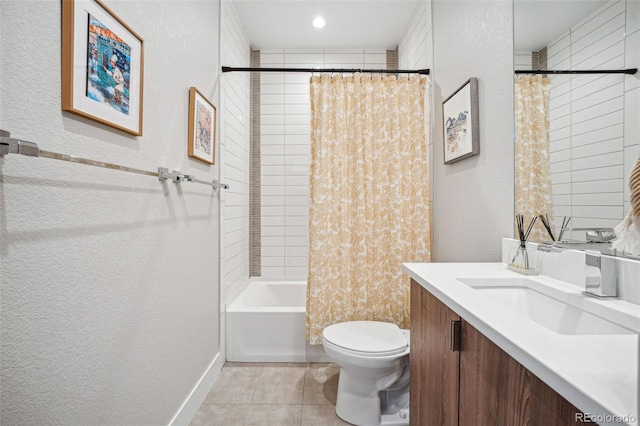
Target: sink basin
[[555, 315]]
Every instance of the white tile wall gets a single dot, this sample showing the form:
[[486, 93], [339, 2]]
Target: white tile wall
[[631, 93], [415, 51], [593, 118], [522, 60], [234, 156], [285, 150]]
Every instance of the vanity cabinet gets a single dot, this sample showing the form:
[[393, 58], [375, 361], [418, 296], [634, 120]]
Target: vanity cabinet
[[459, 377]]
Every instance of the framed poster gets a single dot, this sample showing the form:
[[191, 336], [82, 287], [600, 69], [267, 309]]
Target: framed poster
[[460, 123], [202, 128], [102, 66]]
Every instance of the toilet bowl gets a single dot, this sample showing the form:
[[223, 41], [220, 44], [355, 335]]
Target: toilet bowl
[[373, 386]]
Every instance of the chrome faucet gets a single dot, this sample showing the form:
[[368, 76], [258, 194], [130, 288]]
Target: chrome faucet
[[597, 235], [600, 271], [601, 275], [549, 247]]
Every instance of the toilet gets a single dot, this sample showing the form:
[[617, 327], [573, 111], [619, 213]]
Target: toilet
[[373, 386]]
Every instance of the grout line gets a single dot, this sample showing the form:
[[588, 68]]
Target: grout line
[[304, 382], [253, 395], [301, 410]]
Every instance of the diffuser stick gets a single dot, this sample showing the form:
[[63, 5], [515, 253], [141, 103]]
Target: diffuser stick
[[564, 226], [547, 226], [520, 260], [533, 222]]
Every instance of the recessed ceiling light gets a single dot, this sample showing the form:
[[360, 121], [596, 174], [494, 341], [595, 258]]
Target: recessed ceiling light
[[319, 22]]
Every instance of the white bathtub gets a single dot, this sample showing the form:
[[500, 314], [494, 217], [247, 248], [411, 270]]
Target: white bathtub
[[266, 323]]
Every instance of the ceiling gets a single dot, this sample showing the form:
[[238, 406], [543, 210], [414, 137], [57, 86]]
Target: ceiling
[[280, 24], [380, 24]]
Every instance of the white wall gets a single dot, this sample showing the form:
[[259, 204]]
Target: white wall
[[109, 280], [285, 152], [235, 151], [473, 198], [593, 118]]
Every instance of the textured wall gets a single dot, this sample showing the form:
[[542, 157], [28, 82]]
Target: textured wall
[[109, 280], [473, 198]]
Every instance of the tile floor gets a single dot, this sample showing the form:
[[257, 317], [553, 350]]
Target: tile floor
[[273, 394]]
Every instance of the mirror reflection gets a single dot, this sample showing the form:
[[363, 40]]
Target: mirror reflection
[[583, 129]]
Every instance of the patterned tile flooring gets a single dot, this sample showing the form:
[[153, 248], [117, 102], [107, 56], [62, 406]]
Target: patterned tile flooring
[[273, 394]]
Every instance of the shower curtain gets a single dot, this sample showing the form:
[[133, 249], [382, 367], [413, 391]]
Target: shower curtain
[[369, 205], [533, 180]]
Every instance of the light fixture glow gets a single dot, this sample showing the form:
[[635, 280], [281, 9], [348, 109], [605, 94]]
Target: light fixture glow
[[319, 22]]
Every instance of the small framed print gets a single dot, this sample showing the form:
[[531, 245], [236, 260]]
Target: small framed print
[[460, 123], [202, 128], [102, 66]]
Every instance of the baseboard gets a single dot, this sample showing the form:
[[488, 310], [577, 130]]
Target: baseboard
[[192, 403]]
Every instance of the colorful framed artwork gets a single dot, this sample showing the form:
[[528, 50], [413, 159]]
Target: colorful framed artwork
[[202, 128], [460, 123], [102, 66]]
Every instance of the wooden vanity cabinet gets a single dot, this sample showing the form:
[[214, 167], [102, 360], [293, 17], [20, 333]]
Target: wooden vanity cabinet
[[475, 384], [434, 367]]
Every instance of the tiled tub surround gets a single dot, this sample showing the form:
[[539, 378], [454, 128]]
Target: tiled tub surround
[[272, 394], [596, 373], [285, 152], [234, 110]]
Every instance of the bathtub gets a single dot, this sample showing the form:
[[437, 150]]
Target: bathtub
[[266, 323]]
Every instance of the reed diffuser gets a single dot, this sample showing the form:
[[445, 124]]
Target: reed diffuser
[[520, 258]]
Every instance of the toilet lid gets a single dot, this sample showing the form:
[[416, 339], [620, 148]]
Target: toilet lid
[[366, 336]]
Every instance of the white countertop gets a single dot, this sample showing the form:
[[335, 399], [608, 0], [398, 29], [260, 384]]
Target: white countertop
[[596, 373]]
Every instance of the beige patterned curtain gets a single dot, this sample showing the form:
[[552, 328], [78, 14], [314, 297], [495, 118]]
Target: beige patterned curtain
[[369, 208], [533, 182], [628, 231]]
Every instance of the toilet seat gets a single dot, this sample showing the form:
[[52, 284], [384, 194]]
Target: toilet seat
[[366, 338]]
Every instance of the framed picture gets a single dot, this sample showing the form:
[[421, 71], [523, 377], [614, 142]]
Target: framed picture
[[102, 66], [202, 127], [460, 123]]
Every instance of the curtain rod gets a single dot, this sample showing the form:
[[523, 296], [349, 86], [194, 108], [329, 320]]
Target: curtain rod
[[627, 71], [332, 70]]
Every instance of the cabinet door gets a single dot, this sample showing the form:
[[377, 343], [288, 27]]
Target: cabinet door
[[496, 390], [434, 367]]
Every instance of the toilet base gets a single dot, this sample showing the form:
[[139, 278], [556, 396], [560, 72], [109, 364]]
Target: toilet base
[[359, 401], [400, 418]]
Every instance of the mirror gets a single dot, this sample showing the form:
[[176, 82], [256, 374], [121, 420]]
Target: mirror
[[593, 119]]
